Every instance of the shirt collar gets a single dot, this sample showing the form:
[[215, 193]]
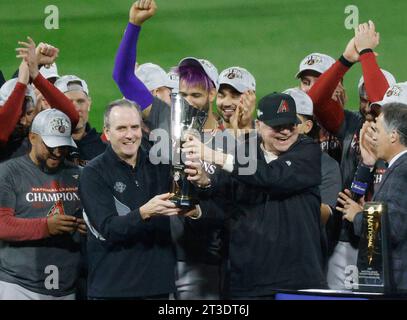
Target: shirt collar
[[268, 155], [396, 157]]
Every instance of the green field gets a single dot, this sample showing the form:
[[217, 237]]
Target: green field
[[268, 37]]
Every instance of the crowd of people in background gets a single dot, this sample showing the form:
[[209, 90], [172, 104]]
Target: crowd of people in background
[[88, 215]]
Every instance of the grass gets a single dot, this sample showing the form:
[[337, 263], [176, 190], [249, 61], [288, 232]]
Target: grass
[[268, 37]]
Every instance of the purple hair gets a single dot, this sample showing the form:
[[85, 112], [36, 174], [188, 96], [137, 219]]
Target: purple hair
[[194, 76]]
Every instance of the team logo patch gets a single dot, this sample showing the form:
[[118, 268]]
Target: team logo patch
[[234, 73], [59, 125], [119, 187], [56, 209], [394, 91], [288, 163], [283, 107], [311, 60]]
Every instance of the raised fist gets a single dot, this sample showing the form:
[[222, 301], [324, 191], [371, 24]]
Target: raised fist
[[141, 11]]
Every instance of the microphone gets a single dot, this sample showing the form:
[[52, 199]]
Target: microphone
[[361, 181]]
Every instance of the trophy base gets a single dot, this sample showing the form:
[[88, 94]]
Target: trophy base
[[184, 202]]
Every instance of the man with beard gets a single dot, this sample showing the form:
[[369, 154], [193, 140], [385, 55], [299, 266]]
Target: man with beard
[[12, 99], [198, 246], [236, 94], [345, 125], [39, 215]]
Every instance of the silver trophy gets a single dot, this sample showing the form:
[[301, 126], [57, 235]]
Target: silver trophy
[[185, 119]]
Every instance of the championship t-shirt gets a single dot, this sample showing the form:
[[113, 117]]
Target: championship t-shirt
[[50, 265]]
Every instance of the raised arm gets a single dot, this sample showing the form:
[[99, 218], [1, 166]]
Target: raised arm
[[330, 112], [12, 109], [366, 40], [54, 97], [123, 73]]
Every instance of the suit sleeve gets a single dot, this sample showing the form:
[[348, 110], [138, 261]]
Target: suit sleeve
[[98, 202], [397, 209]]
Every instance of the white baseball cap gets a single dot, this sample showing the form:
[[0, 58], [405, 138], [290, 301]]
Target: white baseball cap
[[303, 102], [50, 71], [389, 77], [173, 79], [71, 83], [54, 127], [318, 62], [8, 87], [397, 93], [239, 78], [206, 65], [152, 75]]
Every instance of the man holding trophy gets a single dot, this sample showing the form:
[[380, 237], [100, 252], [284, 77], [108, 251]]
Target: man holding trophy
[[386, 139]]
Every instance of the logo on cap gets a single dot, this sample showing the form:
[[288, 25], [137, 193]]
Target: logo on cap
[[283, 107], [313, 60], [259, 113], [59, 125], [234, 74], [394, 91]]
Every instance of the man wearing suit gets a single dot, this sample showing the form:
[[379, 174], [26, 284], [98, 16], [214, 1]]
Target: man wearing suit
[[387, 141]]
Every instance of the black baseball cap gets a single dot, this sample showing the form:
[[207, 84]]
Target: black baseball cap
[[276, 109]]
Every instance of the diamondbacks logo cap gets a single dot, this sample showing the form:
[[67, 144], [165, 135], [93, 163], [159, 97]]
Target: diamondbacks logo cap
[[277, 109], [318, 62], [49, 72], [173, 79], [303, 102], [239, 78], [206, 65], [71, 83], [8, 87], [54, 127], [153, 76], [389, 77], [395, 94]]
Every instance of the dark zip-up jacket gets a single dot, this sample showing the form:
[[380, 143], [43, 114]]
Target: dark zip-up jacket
[[128, 257], [275, 240]]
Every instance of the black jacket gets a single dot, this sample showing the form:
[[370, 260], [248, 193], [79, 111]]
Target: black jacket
[[275, 240], [128, 257]]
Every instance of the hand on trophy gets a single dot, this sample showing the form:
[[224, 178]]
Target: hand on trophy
[[349, 207], [159, 205], [196, 174], [141, 11], [194, 146]]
